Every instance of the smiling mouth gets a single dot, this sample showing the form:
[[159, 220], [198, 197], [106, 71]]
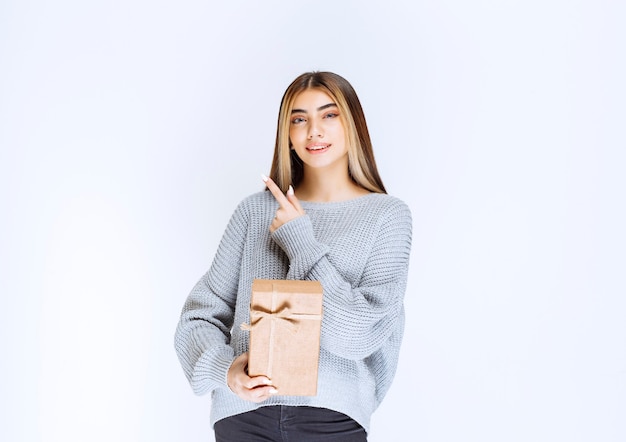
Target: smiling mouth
[[317, 147]]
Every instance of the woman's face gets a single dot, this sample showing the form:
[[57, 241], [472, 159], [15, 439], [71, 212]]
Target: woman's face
[[316, 131]]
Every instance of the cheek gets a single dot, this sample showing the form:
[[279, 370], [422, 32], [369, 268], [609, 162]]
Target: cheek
[[338, 133], [336, 127], [295, 134]]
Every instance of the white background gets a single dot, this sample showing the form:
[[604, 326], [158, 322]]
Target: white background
[[130, 130]]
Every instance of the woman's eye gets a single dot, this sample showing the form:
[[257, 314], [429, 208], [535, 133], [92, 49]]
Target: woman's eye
[[297, 120], [331, 115]]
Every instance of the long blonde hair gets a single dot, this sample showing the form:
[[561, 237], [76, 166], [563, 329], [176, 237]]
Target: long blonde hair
[[288, 169]]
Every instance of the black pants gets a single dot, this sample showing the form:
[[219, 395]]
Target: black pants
[[281, 423]]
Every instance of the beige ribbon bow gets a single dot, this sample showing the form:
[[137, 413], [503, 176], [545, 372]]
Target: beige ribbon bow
[[283, 314]]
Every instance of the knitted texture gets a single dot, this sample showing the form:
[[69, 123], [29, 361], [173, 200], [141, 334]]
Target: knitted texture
[[359, 251]]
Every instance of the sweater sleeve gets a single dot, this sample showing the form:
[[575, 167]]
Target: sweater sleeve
[[203, 333], [359, 319]]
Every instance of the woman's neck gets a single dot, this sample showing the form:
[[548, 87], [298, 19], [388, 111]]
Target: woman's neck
[[317, 186]]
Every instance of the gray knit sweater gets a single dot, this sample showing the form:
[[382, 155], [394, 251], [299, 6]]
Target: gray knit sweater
[[358, 249]]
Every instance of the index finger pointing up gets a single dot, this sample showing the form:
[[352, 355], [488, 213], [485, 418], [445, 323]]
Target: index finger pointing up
[[278, 194]]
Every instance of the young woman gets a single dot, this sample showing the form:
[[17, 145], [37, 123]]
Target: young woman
[[324, 216]]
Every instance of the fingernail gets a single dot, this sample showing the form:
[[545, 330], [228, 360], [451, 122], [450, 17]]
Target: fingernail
[[290, 191], [268, 382], [273, 391], [264, 178]]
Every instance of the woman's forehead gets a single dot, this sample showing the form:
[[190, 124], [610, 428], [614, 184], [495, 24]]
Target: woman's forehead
[[311, 99]]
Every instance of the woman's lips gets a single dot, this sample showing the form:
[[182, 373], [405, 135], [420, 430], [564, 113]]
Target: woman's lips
[[318, 147]]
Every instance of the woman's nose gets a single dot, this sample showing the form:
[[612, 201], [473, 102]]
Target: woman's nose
[[315, 130]]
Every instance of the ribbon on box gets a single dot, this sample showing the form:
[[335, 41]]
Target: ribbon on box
[[283, 315], [277, 315]]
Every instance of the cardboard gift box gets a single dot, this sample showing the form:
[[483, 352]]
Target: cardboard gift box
[[285, 324]]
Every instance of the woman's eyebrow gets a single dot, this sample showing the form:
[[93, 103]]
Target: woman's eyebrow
[[321, 108]]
